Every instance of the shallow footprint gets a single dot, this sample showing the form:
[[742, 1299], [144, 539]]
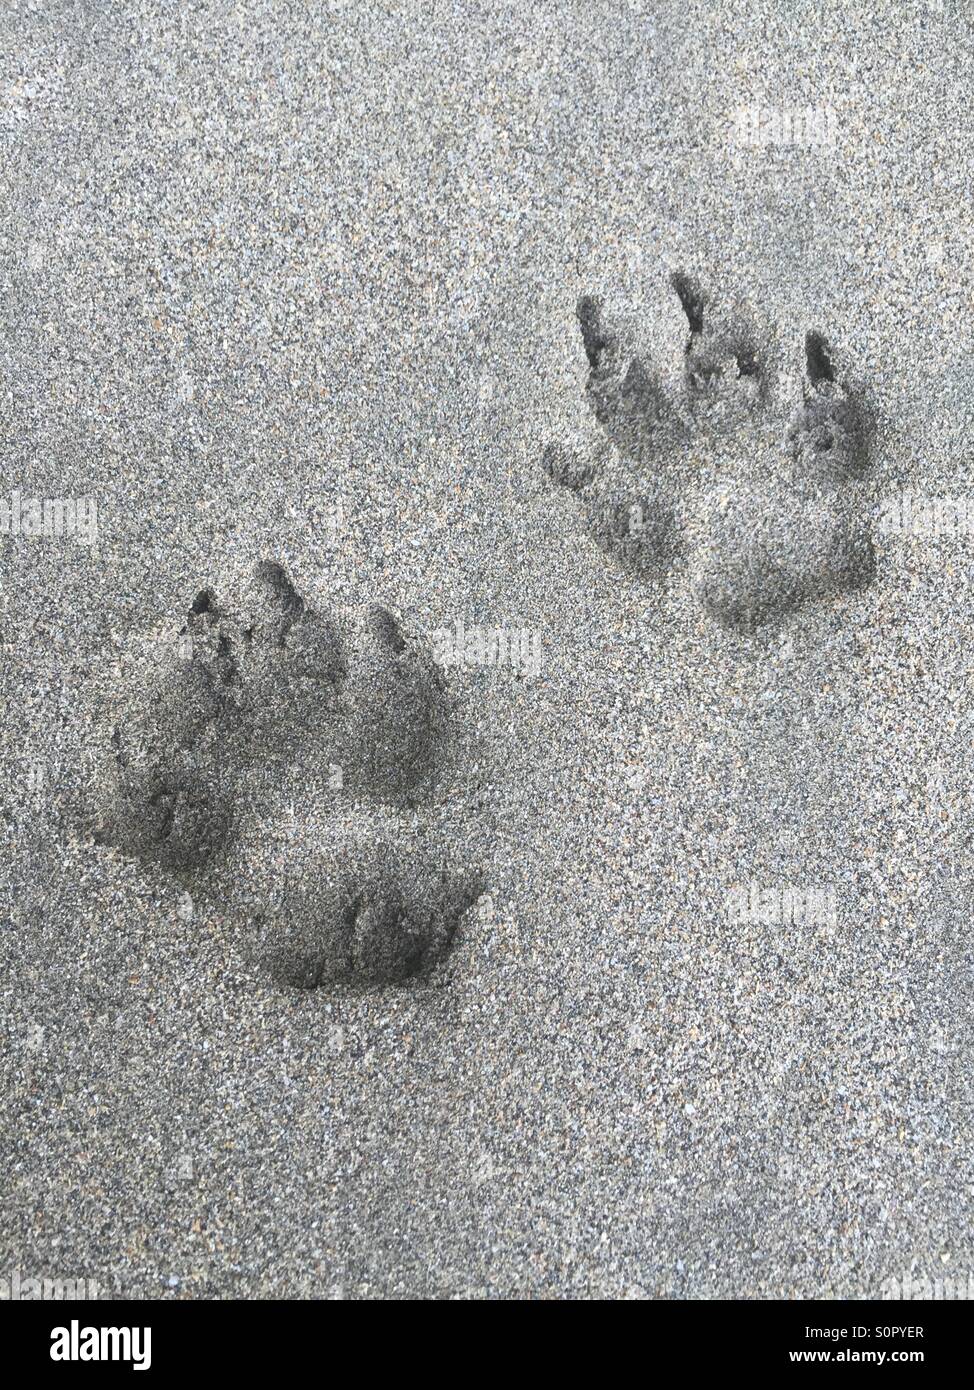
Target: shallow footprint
[[387, 921]]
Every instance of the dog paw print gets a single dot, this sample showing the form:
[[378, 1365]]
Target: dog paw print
[[701, 459], [266, 680]]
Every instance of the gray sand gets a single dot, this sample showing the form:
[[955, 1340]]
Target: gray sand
[[299, 284]]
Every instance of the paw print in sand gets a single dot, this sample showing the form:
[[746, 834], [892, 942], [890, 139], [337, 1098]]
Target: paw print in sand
[[699, 459], [266, 680]]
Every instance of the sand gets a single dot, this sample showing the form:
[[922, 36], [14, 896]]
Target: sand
[[299, 285]]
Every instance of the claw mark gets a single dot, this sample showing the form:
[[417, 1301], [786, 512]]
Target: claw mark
[[817, 359], [204, 602], [597, 343], [692, 300]]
